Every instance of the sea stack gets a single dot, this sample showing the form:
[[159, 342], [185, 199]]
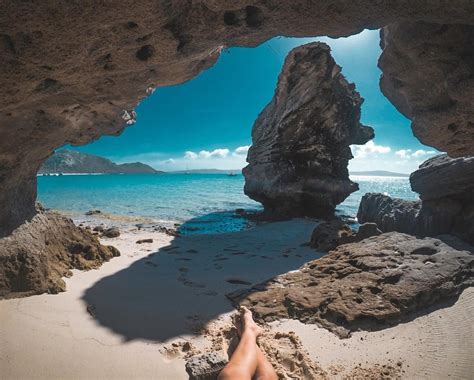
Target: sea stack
[[301, 140]]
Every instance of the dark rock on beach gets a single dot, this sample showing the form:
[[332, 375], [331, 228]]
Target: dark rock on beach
[[329, 235], [366, 285], [111, 232], [32, 265], [446, 188], [143, 241], [93, 212], [300, 141]]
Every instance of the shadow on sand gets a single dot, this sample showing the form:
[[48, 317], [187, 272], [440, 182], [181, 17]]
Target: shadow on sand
[[180, 287]]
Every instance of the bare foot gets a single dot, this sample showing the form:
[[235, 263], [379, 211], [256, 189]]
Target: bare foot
[[245, 323]]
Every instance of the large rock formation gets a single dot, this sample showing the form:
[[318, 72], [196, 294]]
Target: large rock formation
[[39, 253], [300, 141], [367, 285], [72, 72], [428, 74], [446, 188]]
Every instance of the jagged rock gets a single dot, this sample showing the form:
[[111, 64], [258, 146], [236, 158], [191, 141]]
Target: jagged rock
[[111, 232], [446, 188], [93, 212], [367, 230], [442, 176], [366, 285], [389, 214], [75, 74], [98, 229], [428, 74], [35, 257], [143, 241], [300, 141], [328, 235], [206, 366]]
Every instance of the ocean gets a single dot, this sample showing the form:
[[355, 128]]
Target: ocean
[[203, 203]]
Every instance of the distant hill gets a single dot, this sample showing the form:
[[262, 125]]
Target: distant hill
[[210, 171], [69, 161], [380, 173]]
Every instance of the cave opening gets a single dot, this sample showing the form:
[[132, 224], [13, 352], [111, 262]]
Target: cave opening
[[204, 125]]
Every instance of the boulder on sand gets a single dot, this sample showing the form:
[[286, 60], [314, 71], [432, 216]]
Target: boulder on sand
[[30, 265], [446, 188], [366, 285]]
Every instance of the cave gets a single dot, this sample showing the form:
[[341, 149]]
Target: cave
[[72, 73]]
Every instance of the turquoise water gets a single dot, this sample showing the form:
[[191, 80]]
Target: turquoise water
[[204, 198]]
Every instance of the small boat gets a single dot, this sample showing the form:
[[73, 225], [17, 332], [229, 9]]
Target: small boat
[[231, 174]]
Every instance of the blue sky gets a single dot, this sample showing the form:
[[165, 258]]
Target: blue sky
[[206, 122]]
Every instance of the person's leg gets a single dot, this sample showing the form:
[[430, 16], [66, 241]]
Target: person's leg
[[265, 370], [244, 360]]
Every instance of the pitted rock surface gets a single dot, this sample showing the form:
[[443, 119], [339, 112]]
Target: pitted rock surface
[[367, 285], [35, 257], [428, 74], [300, 141]]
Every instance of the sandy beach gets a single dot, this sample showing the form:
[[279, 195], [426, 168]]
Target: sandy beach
[[141, 314]]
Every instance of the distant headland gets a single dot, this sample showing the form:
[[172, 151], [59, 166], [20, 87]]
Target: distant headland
[[68, 161]]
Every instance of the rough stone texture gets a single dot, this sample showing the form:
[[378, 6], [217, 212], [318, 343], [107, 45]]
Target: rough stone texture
[[366, 285], [390, 214], [35, 257], [428, 74], [72, 72], [442, 176], [329, 235], [446, 188], [300, 141]]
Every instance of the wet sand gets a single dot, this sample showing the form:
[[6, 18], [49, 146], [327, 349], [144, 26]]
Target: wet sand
[[141, 314]]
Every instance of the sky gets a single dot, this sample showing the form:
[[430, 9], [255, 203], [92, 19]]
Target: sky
[[207, 121]]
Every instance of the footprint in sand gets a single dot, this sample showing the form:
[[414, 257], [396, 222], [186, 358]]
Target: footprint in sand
[[181, 349], [190, 283]]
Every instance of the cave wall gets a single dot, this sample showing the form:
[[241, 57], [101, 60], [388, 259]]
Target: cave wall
[[72, 72], [428, 74]]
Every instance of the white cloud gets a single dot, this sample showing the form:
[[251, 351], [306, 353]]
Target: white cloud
[[407, 153], [217, 153], [421, 153], [403, 153], [169, 161], [370, 148], [190, 155], [241, 150]]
